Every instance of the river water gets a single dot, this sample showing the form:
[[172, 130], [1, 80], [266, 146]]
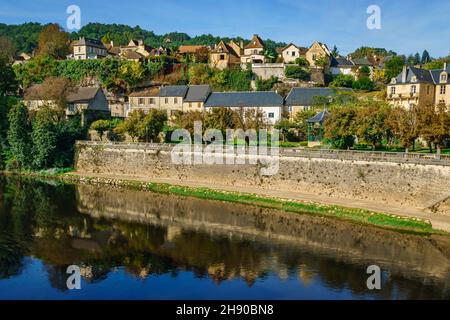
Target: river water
[[132, 244]]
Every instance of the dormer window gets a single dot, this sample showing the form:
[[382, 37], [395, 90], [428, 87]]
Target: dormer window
[[393, 81], [414, 79], [444, 77]]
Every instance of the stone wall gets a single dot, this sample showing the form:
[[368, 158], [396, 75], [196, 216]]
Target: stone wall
[[387, 183]]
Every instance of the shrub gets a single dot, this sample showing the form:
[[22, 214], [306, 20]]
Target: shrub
[[297, 72]]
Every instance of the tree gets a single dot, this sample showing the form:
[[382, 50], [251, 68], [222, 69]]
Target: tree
[[101, 126], [199, 74], [335, 51], [152, 125], [44, 139], [394, 66], [296, 72], [8, 83], [342, 81], [371, 123], [302, 62], [186, 120], [322, 62], [433, 124], [201, 55], [132, 124], [220, 119], [19, 136], [403, 125], [379, 76], [7, 47], [340, 127], [53, 41], [36, 70], [425, 57]]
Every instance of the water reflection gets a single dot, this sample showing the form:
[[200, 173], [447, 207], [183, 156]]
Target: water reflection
[[148, 236]]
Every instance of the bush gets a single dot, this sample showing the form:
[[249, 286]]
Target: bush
[[342, 81], [297, 72], [364, 83], [101, 126], [266, 85]]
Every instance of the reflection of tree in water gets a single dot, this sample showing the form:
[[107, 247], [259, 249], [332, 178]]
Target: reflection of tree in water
[[42, 219]]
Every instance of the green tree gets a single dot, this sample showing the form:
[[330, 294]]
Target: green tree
[[302, 62], [403, 125], [101, 126], [7, 47], [132, 124], [220, 119], [425, 57], [8, 83], [152, 125], [266, 85], [371, 122], [340, 127], [19, 137], [44, 138], [394, 66], [199, 74]]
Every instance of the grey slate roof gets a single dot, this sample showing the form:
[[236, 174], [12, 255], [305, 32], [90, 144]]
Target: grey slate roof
[[198, 93], [422, 75], [341, 62], [320, 117], [173, 91], [244, 99], [305, 96], [89, 42]]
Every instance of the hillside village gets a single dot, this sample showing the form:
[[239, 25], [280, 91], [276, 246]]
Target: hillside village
[[296, 90]]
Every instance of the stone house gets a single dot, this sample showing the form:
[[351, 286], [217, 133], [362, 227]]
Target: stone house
[[270, 103], [85, 48], [419, 87], [89, 102], [196, 97], [144, 100], [172, 99], [225, 55], [301, 99], [341, 65], [315, 52], [254, 52]]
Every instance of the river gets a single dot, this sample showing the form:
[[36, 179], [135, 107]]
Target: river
[[133, 244]]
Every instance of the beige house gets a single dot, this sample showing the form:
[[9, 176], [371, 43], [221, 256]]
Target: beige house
[[144, 100], [225, 55], [254, 51], [138, 47], [85, 48], [316, 51], [419, 87], [196, 97]]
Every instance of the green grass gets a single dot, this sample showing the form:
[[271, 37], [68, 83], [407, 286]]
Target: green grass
[[348, 214]]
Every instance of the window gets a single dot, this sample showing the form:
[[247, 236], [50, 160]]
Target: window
[[166, 100], [141, 101], [222, 57], [293, 53], [393, 89], [428, 89], [190, 105], [199, 104], [175, 100], [413, 89], [444, 78], [442, 89], [290, 109], [151, 101], [271, 115]]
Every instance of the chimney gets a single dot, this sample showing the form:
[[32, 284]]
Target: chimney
[[112, 43], [445, 66], [241, 44], [404, 74]]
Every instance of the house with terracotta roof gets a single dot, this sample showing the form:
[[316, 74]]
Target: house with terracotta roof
[[254, 51], [225, 55]]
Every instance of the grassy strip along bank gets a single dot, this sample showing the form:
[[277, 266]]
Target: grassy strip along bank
[[367, 217], [410, 225]]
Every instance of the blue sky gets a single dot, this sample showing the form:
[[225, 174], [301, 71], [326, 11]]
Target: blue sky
[[407, 26]]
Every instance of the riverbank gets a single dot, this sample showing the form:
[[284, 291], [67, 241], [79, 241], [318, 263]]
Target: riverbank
[[379, 218]]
